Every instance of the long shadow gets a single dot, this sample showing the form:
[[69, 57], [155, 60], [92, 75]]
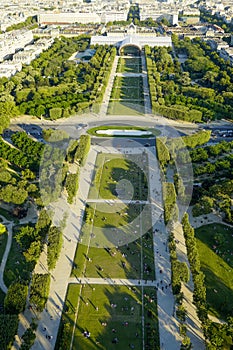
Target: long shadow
[[219, 297], [70, 260], [218, 237]]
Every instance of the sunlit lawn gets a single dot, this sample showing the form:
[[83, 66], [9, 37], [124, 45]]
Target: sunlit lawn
[[126, 93], [129, 65], [113, 247], [111, 313], [215, 247], [112, 169], [127, 96], [126, 108]]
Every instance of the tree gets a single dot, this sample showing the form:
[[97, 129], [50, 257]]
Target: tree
[[55, 113], [2, 229], [33, 252], [8, 330], [54, 246], [15, 299]]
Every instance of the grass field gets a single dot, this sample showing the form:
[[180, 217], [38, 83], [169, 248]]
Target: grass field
[[112, 172], [215, 247], [126, 93], [127, 96], [113, 316], [126, 261], [118, 252], [109, 224], [125, 108], [129, 65]]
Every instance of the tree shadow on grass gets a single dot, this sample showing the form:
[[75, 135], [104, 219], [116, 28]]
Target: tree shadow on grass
[[219, 296]]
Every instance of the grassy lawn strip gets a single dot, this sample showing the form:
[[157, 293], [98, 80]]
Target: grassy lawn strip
[[130, 89], [111, 314], [215, 247], [126, 108], [68, 317], [112, 176], [126, 93], [129, 65], [114, 259]]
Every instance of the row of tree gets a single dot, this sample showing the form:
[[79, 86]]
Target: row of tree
[[216, 335], [169, 202], [77, 153]]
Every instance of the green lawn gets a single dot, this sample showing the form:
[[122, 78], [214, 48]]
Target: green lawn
[[117, 246], [111, 312], [125, 108], [215, 247], [112, 174], [127, 96], [109, 224], [129, 65], [126, 93]]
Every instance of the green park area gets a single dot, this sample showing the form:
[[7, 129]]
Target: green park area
[[129, 65], [119, 176], [110, 317], [126, 96], [116, 238], [115, 252], [215, 247]]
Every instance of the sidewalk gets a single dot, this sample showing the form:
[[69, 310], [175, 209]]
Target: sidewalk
[[107, 94], [168, 325]]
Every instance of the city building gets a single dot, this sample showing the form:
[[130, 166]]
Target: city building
[[131, 38], [66, 18]]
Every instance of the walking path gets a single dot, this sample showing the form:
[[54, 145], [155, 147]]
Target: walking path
[[168, 325], [146, 91], [116, 201], [107, 94], [114, 281]]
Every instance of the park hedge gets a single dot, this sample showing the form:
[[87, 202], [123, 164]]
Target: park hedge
[[169, 202], [39, 290], [54, 246], [71, 186], [82, 149]]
